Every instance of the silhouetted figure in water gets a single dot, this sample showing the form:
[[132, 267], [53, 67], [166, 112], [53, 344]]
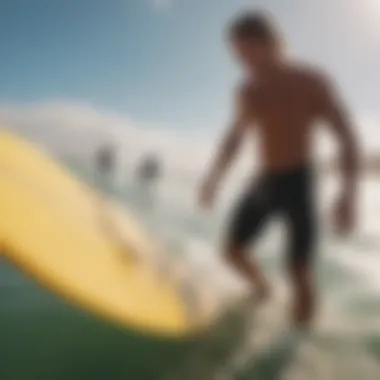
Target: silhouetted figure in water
[[105, 167], [148, 173], [149, 170], [105, 159]]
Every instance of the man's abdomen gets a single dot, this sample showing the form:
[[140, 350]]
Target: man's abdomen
[[285, 152]]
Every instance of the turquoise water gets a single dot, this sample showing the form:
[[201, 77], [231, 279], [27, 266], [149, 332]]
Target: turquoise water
[[43, 337]]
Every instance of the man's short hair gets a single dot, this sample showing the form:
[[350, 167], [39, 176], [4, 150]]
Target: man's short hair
[[256, 25]]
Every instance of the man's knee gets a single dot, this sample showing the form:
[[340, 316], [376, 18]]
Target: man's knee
[[233, 253], [302, 245]]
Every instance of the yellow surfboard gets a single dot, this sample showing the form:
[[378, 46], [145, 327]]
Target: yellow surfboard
[[86, 248]]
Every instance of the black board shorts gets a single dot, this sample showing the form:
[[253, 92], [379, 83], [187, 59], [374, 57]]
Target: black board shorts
[[290, 195]]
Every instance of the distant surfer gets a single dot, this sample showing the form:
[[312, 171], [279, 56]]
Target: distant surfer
[[105, 159], [149, 169], [148, 173], [282, 100]]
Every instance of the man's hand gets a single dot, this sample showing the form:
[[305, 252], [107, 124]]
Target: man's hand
[[344, 215]]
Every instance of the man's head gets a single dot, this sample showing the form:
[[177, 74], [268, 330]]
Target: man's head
[[255, 40]]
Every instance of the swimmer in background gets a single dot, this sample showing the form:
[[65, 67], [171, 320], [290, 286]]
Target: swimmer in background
[[281, 100], [105, 159], [148, 173], [105, 166]]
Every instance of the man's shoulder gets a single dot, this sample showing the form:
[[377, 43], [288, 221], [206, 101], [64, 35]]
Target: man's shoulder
[[309, 74]]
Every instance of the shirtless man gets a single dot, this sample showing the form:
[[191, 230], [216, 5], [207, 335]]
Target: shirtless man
[[282, 101]]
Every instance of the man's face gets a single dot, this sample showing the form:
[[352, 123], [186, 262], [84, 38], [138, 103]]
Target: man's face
[[252, 53]]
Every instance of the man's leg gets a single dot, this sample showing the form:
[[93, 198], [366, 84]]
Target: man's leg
[[249, 269], [246, 224], [304, 293], [301, 269]]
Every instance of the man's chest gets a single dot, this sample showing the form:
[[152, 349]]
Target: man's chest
[[285, 101]]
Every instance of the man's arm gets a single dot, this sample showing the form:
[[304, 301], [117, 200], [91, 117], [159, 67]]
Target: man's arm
[[231, 142], [338, 120], [227, 151]]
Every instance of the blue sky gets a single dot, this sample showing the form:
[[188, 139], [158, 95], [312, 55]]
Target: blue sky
[[165, 61]]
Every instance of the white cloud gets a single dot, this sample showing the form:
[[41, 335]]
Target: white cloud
[[78, 130]]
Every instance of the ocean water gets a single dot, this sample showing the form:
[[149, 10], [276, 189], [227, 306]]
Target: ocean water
[[42, 337]]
